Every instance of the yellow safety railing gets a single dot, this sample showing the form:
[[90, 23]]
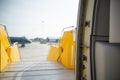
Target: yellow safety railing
[[4, 38], [65, 51], [4, 59], [7, 53]]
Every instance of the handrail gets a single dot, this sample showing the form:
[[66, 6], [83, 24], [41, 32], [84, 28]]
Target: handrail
[[63, 32]]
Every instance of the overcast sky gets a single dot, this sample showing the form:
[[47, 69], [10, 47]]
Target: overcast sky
[[37, 18]]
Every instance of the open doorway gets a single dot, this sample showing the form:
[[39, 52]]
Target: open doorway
[[42, 22]]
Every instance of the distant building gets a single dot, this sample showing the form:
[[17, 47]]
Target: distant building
[[52, 40], [41, 40]]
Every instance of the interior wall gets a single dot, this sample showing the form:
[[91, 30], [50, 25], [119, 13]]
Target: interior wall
[[107, 55], [107, 61], [114, 21], [102, 18]]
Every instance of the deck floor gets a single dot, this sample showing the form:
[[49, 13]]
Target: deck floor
[[36, 71], [34, 67]]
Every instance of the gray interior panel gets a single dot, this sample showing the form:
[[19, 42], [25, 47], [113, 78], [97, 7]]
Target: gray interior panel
[[114, 21], [107, 58], [102, 18]]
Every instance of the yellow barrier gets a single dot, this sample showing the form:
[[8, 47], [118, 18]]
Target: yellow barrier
[[7, 53], [4, 60], [53, 54], [67, 45], [4, 38], [13, 53], [65, 52]]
